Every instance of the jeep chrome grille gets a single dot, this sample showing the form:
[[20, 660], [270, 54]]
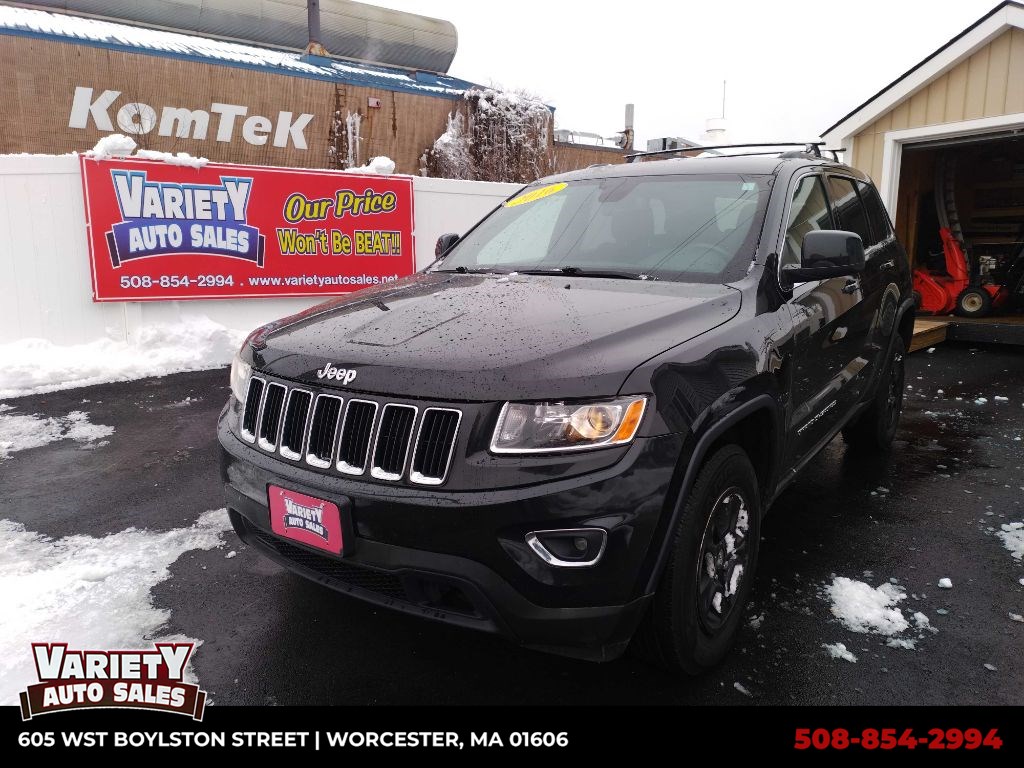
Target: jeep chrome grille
[[356, 436], [253, 398], [323, 431], [435, 442], [296, 412], [356, 431], [270, 417], [391, 448]]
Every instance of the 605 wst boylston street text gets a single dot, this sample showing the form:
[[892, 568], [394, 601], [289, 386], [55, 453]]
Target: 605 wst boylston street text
[[294, 739]]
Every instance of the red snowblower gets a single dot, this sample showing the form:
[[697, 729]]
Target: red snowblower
[[941, 294], [965, 291]]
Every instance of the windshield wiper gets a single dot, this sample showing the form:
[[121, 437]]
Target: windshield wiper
[[476, 271], [581, 272]]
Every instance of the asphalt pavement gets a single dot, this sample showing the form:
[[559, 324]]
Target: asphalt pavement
[[929, 509]]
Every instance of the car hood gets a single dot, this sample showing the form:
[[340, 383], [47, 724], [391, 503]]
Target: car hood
[[448, 336]]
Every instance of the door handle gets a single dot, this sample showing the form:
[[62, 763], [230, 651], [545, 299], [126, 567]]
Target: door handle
[[852, 286]]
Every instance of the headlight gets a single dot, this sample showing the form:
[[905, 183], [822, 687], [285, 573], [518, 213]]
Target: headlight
[[553, 427], [240, 371]]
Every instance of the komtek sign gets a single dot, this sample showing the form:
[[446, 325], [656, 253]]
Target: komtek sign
[[152, 678], [227, 120], [159, 231]]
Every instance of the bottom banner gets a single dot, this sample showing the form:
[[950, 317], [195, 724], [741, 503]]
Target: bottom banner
[[602, 733]]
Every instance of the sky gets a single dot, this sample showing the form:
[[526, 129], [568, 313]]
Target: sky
[[792, 67]]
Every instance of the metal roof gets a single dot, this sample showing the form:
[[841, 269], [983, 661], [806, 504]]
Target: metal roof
[[348, 29], [136, 39]]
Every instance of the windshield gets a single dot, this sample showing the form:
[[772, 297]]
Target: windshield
[[683, 228]]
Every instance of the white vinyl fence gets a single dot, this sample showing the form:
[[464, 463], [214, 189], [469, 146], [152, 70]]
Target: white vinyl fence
[[45, 283]]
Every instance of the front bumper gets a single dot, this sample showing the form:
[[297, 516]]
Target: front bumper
[[461, 557]]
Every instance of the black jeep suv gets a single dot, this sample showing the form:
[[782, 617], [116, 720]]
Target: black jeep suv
[[568, 428]]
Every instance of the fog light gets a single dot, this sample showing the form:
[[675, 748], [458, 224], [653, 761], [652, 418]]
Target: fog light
[[569, 547]]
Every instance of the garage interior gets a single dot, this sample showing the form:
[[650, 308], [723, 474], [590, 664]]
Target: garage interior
[[974, 186]]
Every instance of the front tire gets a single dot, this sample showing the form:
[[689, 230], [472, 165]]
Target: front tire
[[876, 427], [699, 604]]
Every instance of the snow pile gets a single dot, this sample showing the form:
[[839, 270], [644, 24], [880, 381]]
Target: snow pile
[[193, 344], [19, 433], [493, 135], [1012, 535], [839, 651], [114, 145], [119, 145], [449, 158], [945, 583], [179, 158], [875, 610], [87, 592], [380, 166], [863, 608]]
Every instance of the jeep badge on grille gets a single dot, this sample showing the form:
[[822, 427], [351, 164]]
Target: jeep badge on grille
[[344, 375]]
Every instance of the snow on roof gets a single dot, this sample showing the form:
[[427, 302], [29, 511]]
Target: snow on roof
[[107, 34]]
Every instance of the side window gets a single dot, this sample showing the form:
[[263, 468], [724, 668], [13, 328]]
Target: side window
[[877, 216], [849, 209], [808, 211]]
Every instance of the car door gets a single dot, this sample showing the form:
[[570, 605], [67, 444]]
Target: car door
[[851, 213], [884, 259], [828, 332]]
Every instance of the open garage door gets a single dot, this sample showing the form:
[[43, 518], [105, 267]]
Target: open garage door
[[961, 217]]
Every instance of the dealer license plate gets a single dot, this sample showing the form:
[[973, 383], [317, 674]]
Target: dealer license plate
[[306, 519]]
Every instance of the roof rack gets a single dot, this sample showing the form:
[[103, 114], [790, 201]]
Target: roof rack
[[812, 148]]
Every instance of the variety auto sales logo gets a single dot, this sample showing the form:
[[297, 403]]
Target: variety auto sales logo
[[146, 679], [161, 218], [305, 517]]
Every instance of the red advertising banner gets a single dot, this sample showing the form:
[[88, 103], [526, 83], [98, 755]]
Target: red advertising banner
[[162, 231]]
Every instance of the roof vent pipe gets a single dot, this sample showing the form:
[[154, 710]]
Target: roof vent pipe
[[313, 47]]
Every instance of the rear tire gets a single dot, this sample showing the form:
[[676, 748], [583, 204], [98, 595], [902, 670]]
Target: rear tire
[[876, 427], [973, 302], [699, 604]]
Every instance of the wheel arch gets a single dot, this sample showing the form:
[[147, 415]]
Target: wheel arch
[[753, 424]]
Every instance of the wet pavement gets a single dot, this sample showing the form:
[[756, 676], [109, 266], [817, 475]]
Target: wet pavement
[[930, 509]]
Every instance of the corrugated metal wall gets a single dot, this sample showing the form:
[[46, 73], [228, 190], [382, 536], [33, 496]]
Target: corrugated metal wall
[[349, 29], [989, 83]]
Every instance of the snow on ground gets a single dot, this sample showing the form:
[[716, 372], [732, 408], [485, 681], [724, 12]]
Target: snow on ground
[[945, 583], [863, 608], [875, 610], [87, 592], [1012, 535], [19, 432], [839, 651], [33, 366], [381, 166]]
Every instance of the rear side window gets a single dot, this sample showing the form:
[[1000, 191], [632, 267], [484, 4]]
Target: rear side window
[[807, 212], [849, 209], [877, 217]]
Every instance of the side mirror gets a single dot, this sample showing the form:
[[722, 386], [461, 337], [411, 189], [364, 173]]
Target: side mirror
[[826, 253], [444, 243]]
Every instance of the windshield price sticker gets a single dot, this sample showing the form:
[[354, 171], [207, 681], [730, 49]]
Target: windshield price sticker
[[536, 194]]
